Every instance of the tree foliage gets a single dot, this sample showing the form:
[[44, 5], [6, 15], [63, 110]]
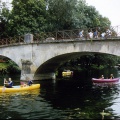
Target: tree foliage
[[12, 67], [72, 14], [4, 21], [26, 16], [91, 61], [35, 16]]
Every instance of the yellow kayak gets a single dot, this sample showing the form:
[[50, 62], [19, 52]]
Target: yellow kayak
[[19, 88]]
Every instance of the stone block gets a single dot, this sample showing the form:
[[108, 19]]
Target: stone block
[[28, 38]]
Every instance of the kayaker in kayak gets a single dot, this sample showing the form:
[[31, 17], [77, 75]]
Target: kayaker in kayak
[[111, 76], [102, 77], [30, 82], [5, 82], [8, 84]]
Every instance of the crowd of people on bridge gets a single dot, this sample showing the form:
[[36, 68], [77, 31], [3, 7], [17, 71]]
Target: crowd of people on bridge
[[95, 34]]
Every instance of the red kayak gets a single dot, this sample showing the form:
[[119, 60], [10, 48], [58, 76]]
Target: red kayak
[[95, 80]]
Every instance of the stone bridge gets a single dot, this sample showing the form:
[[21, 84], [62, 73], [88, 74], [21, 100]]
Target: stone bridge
[[41, 60]]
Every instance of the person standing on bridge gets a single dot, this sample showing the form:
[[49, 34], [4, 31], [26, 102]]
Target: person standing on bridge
[[95, 34], [90, 34], [108, 33], [103, 35], [81, 34]]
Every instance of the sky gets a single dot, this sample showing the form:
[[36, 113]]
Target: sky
[[108, 8]]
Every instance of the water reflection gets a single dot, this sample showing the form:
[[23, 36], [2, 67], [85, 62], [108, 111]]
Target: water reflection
[[17, 102], [81, 102], [62, 99]]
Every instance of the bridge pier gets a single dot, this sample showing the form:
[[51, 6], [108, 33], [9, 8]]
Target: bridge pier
[[23, 76], [26, 70]]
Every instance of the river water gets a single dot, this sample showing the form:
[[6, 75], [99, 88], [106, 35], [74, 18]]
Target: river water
[[62, 99]]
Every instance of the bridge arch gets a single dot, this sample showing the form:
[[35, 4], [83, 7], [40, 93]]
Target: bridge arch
[[49, 67]]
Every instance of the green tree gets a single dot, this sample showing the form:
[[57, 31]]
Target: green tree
[[35, 16], [4, 20], [91, 61], [60, 14], [13, 67], [66, 14], [27, 16]]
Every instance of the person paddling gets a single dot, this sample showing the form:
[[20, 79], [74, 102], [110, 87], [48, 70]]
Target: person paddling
[[102, 77], [5, 82], [9, 84], [111, 76], [30, 82]]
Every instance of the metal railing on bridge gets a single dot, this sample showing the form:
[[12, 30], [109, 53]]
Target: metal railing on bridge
[[75, 34]]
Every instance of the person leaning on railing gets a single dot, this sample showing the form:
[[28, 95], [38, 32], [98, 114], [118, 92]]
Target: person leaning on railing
[[108, 33], [95, 34], [81, 33]]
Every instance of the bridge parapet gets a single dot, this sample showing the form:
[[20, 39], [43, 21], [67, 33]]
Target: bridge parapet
[[91, 33]]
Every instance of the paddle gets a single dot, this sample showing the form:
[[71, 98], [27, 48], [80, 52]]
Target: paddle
[[3, 90]]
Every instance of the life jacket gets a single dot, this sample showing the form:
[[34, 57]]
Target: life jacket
[[11, 84]]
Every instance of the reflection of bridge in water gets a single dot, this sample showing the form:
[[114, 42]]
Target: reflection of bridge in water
[[39, 55]]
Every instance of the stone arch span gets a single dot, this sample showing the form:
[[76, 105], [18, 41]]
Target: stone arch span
[[48, 68]]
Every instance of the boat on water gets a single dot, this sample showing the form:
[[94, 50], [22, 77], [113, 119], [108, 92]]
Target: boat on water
[[19, 88], [67, 73], [101, 80]]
